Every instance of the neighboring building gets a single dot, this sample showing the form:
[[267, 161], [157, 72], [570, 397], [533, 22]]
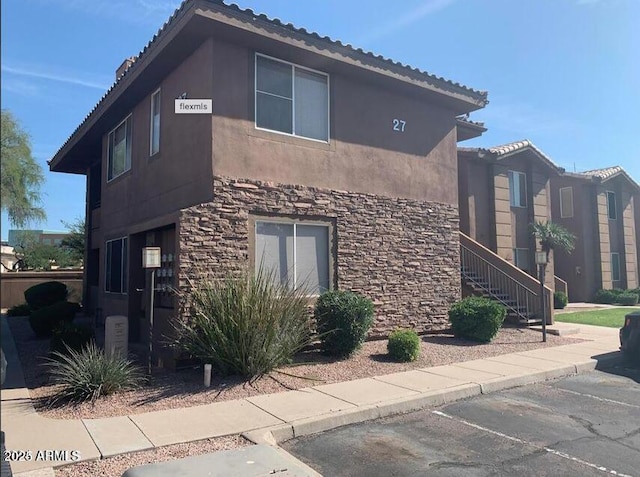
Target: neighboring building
[[8, 258], [45, 237], [327, 164], [502, 190], [602, 208]]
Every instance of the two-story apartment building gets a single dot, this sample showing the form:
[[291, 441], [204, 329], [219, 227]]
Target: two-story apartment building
[[601, 207], [328, 165], [502, 190]]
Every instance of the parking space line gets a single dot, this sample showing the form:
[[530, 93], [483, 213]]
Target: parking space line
[[597, 398], [522, 441]]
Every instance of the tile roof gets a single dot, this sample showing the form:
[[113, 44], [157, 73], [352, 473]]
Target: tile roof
[[607, 173], [513, 147], [477, 94], [604, 173]]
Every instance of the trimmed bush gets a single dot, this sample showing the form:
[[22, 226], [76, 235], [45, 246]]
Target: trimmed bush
[[19, 310], [44, 320], [45, 294], [70, 336], [343, 320], [88, 374], [404, 345], [247, 325], [627, 299], [560, 300], [476, 318], [605, 297]]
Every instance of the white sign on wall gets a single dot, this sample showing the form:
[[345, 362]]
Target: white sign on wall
[[194, 106], [116, 335]]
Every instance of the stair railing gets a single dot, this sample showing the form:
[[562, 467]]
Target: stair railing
[[509, 285]]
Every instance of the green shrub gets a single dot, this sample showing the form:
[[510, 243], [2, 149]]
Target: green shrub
[[343, 321], [44, 320], [70, 336], [477, 319], [247, 325], [45, 294], [605, 297], [88, 374], [19, 310], [404, 345], [627, 299], [560, 300]]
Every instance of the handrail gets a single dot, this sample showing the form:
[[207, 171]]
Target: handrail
[[560, 285], [503, 283]]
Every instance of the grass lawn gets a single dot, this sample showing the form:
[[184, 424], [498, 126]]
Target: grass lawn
[[613, 318]]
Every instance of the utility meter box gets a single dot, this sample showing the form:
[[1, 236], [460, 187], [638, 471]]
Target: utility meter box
[[116, 335]]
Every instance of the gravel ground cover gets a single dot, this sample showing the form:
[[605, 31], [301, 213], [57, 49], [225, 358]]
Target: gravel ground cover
[[170, 389], [115, 466]]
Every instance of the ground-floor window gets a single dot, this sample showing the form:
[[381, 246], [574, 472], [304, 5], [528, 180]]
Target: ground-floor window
[[116, 265], [521, 258], [615, 267], [295, 252]]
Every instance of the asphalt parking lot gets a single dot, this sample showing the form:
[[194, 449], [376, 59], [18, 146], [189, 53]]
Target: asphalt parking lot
[[582, 425]]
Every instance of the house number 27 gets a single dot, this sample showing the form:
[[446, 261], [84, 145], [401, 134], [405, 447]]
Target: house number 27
[[399, 124]]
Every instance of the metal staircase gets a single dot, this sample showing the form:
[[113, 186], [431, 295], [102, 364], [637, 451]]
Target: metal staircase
[[489, 275]]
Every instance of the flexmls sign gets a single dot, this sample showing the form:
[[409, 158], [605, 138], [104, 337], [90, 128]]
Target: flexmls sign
[[194, 106]]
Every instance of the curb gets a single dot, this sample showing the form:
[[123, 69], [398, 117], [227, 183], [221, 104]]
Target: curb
[[274, 435]]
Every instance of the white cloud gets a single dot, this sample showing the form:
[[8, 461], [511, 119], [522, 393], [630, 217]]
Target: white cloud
[[425, 9], [19, 87], [47, 73]]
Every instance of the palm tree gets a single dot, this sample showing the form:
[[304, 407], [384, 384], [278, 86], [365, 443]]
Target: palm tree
[[553, 236]]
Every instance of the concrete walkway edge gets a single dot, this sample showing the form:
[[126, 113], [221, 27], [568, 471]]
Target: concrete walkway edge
[[274, 418]]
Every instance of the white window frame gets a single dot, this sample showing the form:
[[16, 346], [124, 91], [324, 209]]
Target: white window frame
[[617, 259], [123, 285], [294, 66], [515, 258], [295, 222], [128, 146], [564, 214], [615, 206], [512, 195], [151, 129]]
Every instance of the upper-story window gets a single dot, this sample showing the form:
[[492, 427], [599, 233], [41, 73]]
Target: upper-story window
[[120, 149], [517, 189], [154, 127], [291, 99], [611, 205], [566, 202]]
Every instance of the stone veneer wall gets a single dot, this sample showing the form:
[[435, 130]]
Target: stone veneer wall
[[403, 254]]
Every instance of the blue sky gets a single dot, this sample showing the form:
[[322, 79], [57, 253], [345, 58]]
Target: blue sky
[[563, 73]]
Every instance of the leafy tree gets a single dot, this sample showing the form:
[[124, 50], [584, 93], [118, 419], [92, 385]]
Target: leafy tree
[[38, 256], [73, 244], [21, 175], [553, 236]]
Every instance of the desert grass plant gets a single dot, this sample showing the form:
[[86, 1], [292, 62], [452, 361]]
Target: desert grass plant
[[248, 324], [88, 374]]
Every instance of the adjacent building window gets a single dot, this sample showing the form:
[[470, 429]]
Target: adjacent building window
[[566, 202], [517, 189], [521, 258], [120, 149], [615, 267], [611, 205], [297, 254], [154, 135], [291, 99], [116, 266]]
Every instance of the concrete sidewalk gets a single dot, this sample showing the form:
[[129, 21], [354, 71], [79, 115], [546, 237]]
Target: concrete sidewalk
[[277, 417]]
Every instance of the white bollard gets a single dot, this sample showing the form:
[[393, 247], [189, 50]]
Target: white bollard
[[207, 375]]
